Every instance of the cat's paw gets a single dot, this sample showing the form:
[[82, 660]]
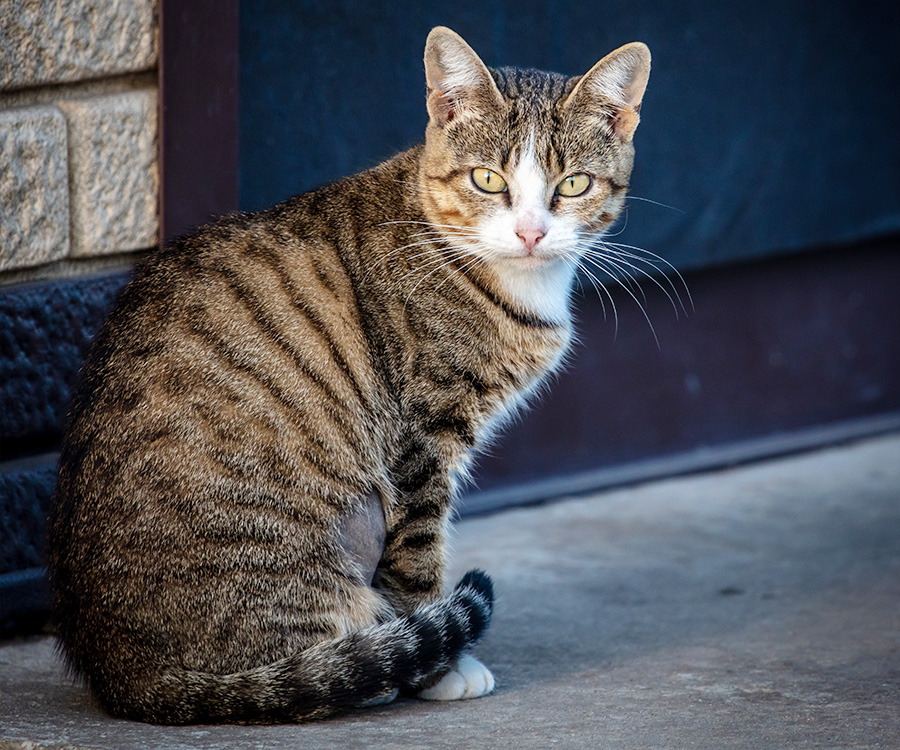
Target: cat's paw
[[469, 679]]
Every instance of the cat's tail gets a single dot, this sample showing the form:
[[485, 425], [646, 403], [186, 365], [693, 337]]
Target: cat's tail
[[333, 676]]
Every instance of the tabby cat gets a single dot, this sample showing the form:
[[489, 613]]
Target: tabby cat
[[260, 462]]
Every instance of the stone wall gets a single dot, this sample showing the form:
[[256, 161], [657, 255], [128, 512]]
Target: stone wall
[[78, 132]]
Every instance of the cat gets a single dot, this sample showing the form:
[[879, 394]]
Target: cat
[[260, 461]]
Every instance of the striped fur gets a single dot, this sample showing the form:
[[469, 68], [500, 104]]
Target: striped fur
[[258, 472]]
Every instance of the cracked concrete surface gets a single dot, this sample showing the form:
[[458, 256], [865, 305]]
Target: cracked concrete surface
[[754, 607]]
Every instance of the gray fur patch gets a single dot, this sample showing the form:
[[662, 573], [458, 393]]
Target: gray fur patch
[[361, 534]]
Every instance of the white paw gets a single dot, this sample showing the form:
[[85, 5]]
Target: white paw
[[470, 679]]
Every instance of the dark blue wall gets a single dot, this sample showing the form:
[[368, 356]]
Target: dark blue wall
[[768, 126]]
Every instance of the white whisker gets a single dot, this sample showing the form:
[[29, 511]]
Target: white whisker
[[388, 256], [435, 237], [620, 261], [436, 244], [474, 260], [434, 259], [659, 258], [655, 203], [438, 267], [598, 285], [622, 275], [425, 223], [624, 225], [600, 262]]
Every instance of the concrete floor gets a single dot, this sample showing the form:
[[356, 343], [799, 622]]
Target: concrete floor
[[756, 607]]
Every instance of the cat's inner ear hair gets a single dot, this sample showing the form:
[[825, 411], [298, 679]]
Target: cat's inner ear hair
[[458, 81], [615, 87]]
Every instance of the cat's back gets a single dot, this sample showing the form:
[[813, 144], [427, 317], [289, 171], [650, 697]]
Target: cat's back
[[236, 352], [245, 297]]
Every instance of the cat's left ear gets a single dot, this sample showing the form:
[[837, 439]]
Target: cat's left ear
[[458, 81], [614, 88]]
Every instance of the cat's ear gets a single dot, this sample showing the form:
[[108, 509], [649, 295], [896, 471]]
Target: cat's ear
[[458, 82], [614, 88]]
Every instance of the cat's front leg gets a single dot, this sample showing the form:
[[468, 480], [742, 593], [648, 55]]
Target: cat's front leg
[[411, 573]]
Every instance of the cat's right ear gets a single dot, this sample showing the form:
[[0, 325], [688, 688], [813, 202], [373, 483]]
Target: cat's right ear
[[458, 81]]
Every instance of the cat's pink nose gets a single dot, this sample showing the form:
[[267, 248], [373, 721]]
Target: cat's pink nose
[[530, 237]]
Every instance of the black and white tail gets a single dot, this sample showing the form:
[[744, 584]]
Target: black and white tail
[[333, 676]]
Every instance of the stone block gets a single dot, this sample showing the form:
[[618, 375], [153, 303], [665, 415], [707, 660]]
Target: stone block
[[114, 175], [34, 193], [55, 41]]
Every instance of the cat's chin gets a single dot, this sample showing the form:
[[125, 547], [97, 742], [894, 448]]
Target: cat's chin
[[531, 262]]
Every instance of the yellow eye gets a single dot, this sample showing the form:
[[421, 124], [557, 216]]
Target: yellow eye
[[488, 181], [574, 184]]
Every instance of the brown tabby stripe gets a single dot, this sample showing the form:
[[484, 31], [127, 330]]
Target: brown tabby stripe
[[448, 177], [223, 348], [419, 540], [273, 505], [423, 510], [474, 380], [447, 420], [326, 464], [270, 328], [312, 314], [322, 275], [232, 395], [245, 494], [331, 401], [412, 583], [414, 469]]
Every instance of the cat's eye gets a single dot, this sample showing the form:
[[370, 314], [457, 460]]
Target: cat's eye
[[487, 180], [574, 185]]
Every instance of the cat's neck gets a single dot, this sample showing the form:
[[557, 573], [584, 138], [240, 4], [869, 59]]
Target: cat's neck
[[544, 292]]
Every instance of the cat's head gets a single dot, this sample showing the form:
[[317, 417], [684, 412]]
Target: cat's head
[[522, 167]]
